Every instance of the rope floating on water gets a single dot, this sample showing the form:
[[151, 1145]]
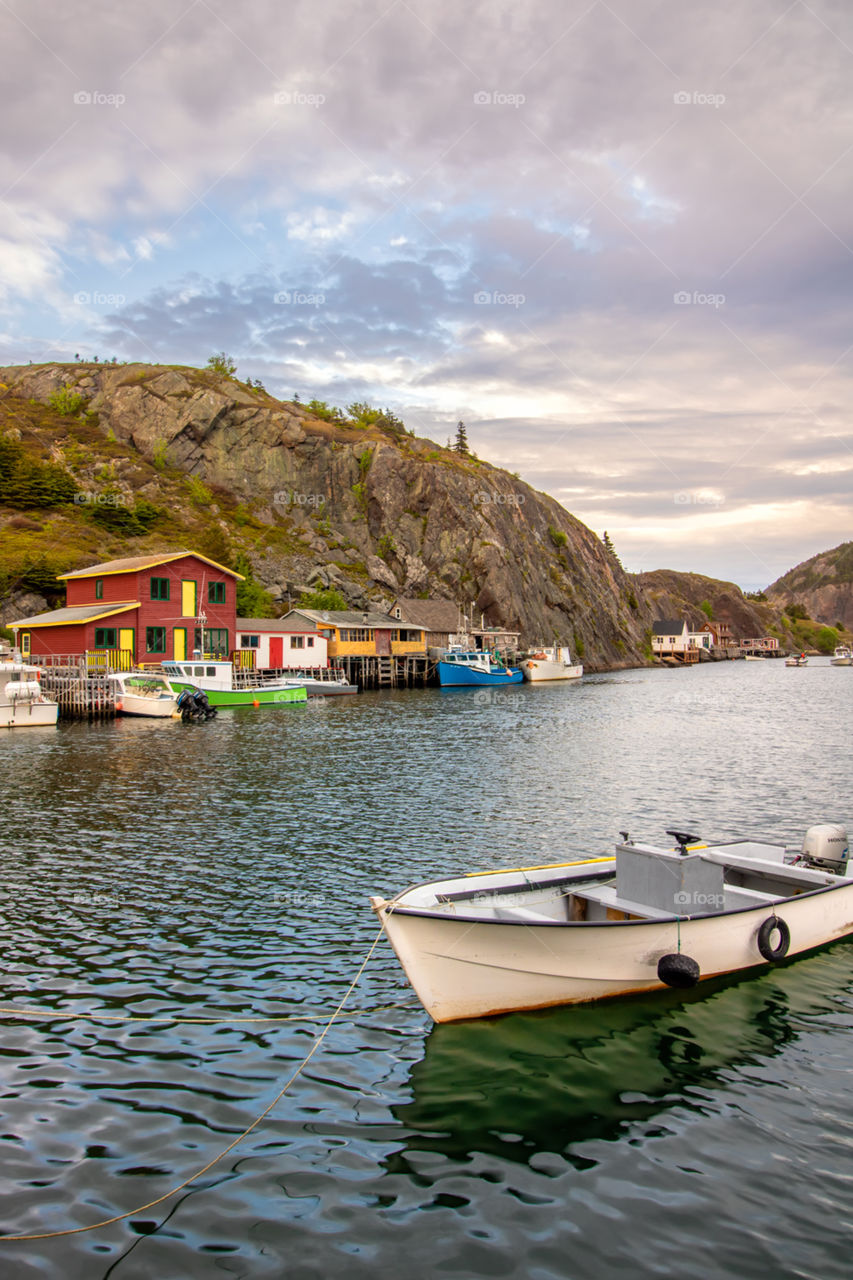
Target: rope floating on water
[[151, 1204]]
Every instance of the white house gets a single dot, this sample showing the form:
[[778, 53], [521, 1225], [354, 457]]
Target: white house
[[670, 638], [281, 644]]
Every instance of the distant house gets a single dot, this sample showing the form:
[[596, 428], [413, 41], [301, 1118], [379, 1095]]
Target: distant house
[[670, 638], [362, 633], [440, 620], [279, 644], [138, 610], [760, 644], [722, 634]]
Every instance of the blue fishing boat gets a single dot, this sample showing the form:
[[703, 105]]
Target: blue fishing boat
[[458, 666]]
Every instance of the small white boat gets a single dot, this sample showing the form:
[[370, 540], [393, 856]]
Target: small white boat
[[332, 683], [754, 657], [494, 942], [843, 657], [22, 703], [551, 664], [797, 660], [139, 693]]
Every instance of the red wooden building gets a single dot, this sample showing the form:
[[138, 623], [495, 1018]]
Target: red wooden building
[[149, 607]]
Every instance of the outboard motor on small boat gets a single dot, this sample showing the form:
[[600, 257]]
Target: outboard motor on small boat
[[194, 704], [826, 846]]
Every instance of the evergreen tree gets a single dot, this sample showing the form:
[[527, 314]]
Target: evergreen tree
[[461, 445], [610, 549]]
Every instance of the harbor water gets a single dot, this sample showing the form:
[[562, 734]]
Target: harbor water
[[208, 874]]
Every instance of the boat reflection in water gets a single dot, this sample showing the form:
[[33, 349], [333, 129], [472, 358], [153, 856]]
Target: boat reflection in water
[[548, 1080]]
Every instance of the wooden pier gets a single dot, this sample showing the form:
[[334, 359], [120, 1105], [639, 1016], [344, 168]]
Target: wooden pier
[[82, 694]]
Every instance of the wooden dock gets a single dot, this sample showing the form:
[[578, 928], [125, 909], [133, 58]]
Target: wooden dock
[[82, 693]]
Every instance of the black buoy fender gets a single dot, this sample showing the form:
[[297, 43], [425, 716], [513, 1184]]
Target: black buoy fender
[[773, 924], [678, 970]]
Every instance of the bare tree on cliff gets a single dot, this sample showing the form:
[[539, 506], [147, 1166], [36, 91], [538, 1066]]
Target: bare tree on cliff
[[461, 445]]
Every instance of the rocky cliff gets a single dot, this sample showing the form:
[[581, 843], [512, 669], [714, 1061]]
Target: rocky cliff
[[672, 594], [823, 586], [372, 510]]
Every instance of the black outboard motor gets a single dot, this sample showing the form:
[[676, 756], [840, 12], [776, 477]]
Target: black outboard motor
[[194, 704]]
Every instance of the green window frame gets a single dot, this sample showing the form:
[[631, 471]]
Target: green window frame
[[105, 638], [216, 593], [159, 591], [99, 588], [155, 639]]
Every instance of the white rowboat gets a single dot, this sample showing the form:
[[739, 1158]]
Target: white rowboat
[[490, 943]]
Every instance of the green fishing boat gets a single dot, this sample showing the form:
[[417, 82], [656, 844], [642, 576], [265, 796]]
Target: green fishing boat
[[215, 677]]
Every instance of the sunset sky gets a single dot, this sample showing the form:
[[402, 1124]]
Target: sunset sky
[[616, 239]]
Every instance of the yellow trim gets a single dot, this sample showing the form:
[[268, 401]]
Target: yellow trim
[[96, 571], [80, 622], [189, 598], [545, 866]]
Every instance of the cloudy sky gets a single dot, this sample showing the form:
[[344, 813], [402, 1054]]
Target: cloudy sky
[[615, 238]]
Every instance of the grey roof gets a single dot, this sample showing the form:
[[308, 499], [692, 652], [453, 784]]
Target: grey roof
[[668, 627], [348, 618], [78, 613], [430, 615], [288, 623]]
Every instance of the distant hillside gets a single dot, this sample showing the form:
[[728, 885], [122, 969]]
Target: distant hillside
[[671, 594], [823, 586], [99, 461]]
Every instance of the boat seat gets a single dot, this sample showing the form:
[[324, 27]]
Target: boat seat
[[523, 914], [737, 896], [606, 896]]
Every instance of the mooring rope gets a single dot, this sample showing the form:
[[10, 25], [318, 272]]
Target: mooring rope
[[119, 1217]]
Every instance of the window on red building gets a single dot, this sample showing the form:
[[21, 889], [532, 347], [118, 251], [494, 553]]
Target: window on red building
[[155, 639], [159, 591], [216, 593]]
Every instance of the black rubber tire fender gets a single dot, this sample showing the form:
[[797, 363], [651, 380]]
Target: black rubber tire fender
[[774, 924]]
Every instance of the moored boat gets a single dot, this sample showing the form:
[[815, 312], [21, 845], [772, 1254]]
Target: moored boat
[[551, 664], [843, 657], [458, 667], [797, 660], [139, 693], [650, 917], [22, 703], [215, 678]]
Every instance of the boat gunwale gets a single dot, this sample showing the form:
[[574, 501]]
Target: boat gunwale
[[390, 909]]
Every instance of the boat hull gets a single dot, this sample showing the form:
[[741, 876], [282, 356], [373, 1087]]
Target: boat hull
[[454, 675], [539, 669], [225, 698], [471, 969], [28, 715], [130, 704]]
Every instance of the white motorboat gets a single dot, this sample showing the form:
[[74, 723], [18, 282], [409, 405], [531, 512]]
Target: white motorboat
[[843, 657], [139, 693], [551, 664], [22, 703], [797, 660], [754, 657], [494, 942], [330, 683]]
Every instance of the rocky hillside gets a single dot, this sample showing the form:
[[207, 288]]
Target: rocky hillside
[[165, 456], [822, 586], [671, 594]]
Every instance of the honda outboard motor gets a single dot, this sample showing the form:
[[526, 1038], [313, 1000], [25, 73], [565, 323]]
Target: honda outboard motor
[[826, 846]]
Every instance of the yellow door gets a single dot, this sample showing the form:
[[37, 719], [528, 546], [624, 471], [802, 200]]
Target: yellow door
[[188, 600], [180, 643], [126, 644]]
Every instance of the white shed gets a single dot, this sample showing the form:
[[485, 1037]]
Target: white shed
[[281, 644]]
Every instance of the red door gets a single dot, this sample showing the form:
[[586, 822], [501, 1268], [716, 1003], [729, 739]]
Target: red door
[[277, 652], [383, 643]]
